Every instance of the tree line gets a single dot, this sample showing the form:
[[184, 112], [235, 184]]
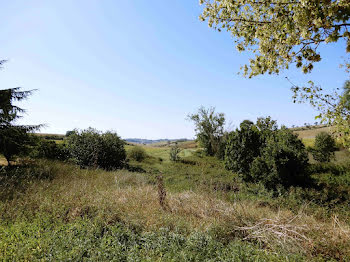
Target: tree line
[[260, 152]]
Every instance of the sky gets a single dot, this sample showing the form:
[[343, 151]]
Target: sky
[[139, 68]]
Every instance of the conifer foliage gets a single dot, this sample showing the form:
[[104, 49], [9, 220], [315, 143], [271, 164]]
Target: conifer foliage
[[14, 139]]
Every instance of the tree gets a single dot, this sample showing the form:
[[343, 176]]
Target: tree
[[91, 148], [209, 128], [280, 32], [14, 139], [48, 149], [263, 153], [324, 147], [174, 153], [333, 108], [137, 153], [282, 161], [243, 146]]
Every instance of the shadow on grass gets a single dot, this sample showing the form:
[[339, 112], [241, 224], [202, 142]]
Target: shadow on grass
[[16, 179]]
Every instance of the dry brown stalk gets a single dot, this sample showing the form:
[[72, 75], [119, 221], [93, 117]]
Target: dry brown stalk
[[161, 191], [284, 233]]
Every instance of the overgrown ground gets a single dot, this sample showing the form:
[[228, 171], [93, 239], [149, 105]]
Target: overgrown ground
[[57, 211]]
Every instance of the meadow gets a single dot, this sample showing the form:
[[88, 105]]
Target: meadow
[[54, 210]]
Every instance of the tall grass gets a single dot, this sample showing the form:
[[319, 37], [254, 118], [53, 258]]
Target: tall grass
[[57, 211]]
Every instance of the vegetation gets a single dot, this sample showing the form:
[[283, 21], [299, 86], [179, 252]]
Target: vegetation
[[243, 146], [334, 109], [137, 153], [57, 211], [282, 161], [280, 33], [262, 153], [14, 139], [174, 153], [253, 194], [91, 148], [48, 149], [164, 209], [209, 128], [324, 148]]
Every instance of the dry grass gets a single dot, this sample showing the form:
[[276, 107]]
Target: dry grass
[[312, 132], [127, 197], [3, 161]]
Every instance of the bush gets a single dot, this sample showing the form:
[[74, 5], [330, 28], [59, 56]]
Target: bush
[[209, 127], [174, 153], [137, 153], [283, 161], [242, 147], [49, 150], [324, 147], [263, 153], [91, 148]]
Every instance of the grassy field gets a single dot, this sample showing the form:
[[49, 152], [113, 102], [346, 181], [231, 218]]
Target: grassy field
[[51, 210], [57, 211]]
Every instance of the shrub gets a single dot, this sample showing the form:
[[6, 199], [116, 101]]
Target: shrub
[[263, 153], [283, 161], [209, 127], [324, 147], [242, 147], [49, 150], [91, 148], [137, 153], [69, 132], [174, 153]]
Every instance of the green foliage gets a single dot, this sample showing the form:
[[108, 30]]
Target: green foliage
[[209, 127], [283, 161], [280, 33], [243, 146], [84, 240], [49, 149], [324, 147], [174, 153], [333, 108], [137, 153], [91, 148], [70, 132], [14, 139], [58, 212], [262, 153]]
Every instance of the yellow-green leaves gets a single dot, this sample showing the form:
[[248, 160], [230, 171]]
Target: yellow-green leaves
[[280, 32]]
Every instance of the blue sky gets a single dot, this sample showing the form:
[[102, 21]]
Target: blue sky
[[139, 67]]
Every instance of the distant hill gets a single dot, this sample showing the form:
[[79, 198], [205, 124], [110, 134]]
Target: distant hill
[[150, 141], [308, 132]]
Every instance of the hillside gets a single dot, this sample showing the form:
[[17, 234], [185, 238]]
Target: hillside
[[58, 211], [312, 131], [154, 141]]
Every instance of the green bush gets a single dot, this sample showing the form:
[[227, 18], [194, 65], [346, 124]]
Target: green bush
[[243, 146], [137, 153], [174, 153], [91, 148], [324, 148], [49, 150], [283, 161], [263, 153]]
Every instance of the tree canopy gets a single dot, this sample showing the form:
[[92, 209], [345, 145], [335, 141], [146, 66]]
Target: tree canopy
[[13, 138], [280, 32], [333, 108], [209, 127]]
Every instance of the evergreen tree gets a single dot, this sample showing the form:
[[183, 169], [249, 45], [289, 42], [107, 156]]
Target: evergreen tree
[[14, 139]]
